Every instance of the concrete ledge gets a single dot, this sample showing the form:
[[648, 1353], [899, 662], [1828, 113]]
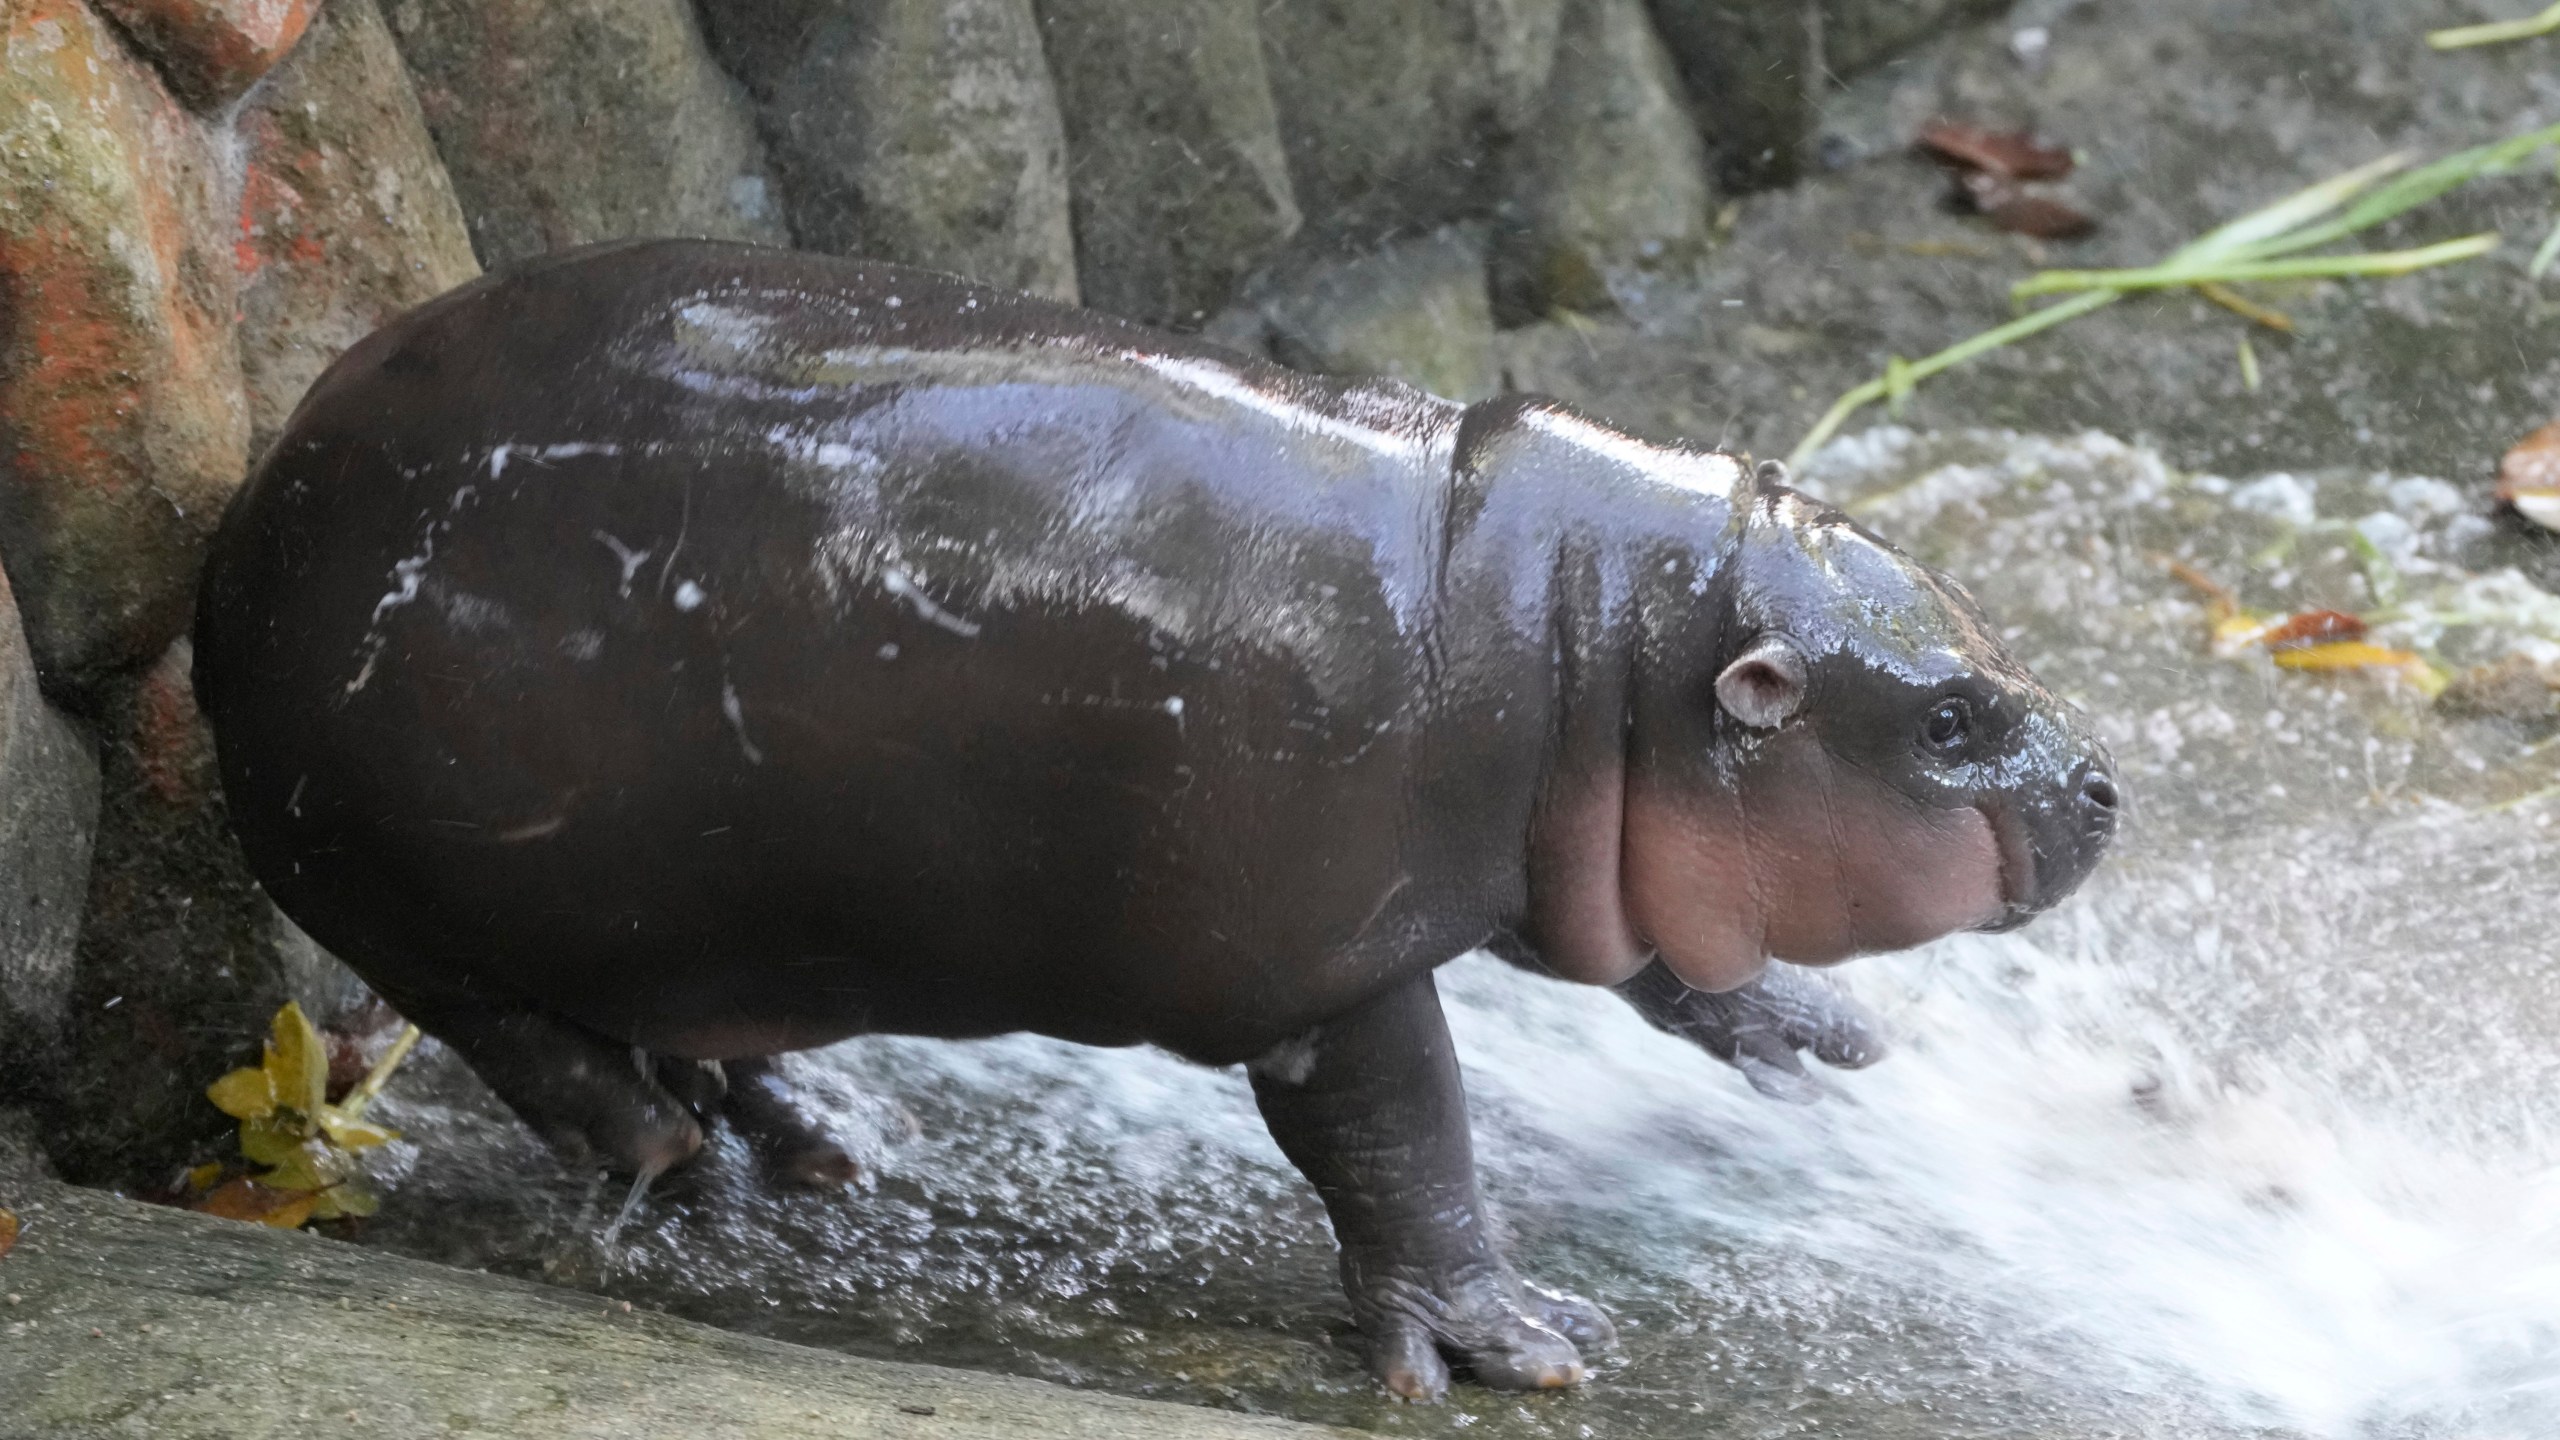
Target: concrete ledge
[[123, 1319]]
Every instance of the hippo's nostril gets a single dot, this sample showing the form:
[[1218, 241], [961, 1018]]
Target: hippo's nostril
[[2098, 790]]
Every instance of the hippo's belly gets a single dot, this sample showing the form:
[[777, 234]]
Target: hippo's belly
[[911, 694]]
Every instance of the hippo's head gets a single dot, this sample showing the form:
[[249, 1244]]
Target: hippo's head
[[1852, 764]]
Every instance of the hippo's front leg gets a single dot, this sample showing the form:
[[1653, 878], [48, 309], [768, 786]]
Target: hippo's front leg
[[1370, 1108], [1758, 1028]]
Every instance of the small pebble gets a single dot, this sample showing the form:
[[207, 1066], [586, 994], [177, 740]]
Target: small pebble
[[915, 1409]]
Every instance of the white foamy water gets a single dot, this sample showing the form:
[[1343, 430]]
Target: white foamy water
[[2046, 1148]]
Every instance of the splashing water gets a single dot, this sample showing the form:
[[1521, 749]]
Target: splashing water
[[631, 1199], [2047, 1149]]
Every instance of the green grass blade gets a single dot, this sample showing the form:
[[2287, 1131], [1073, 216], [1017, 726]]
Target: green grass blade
[[2239, 251], [2497, 32], [2543, 257], [1904, 376], [2307, 267], [2414, 189], [2297, 209]]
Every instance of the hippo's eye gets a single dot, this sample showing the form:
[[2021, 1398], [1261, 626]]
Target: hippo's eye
[[1947, 726]]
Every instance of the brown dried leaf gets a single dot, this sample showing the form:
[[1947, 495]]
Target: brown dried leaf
[[347, 1063], [2040, 218], [2311, 627], [248, 1200], [2529, 477], [8, 1231], [2014, 154], [2220, 603]]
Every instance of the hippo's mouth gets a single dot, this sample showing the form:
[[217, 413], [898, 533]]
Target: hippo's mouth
[[2017, 870]]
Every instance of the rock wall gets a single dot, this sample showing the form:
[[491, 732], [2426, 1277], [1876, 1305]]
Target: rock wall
[[1758, 67], [48, 819], [922, 131], [564, 122], [204, 202]]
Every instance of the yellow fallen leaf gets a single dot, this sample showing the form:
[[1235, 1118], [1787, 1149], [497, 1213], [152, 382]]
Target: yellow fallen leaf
[[353, 1134], [314, 1166], [244, 1094], [350, 1197], [2237, 633], [2345, 655], [2359, 655], [298, 1061], [203, 1176], [309, 1147], [273, 1139]]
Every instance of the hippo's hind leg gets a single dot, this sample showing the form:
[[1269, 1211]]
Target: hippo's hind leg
[[766, 1108], [591, 1098], [1369, 1107], [1758, 1028], [596, 1100]]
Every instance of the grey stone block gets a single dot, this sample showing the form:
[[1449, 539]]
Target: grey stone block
[[920, 131], [1173, 151], [134, 1319], [48, 820], [1394, 116], [1416, 311], [564, 122], [1609, 188]]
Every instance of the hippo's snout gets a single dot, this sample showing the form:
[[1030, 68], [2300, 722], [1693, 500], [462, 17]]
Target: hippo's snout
[[2052, 842]]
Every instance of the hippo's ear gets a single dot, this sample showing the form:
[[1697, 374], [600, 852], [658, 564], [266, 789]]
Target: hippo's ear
[[1764, 684]]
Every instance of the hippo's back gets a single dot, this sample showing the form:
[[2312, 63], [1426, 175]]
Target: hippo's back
[[734, 648]]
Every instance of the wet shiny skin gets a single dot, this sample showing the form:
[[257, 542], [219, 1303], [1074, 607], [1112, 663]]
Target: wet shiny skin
[[725, 651]]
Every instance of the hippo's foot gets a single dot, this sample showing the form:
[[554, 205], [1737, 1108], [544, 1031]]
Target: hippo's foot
[[592, 1099], [596, 1100], [1760, 1028], [1504, 1331], [795, 1149], [1369, 1107]]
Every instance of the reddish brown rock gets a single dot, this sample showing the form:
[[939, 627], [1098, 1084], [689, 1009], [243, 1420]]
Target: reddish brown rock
[[213, 50], [346, 218], [122, 430]]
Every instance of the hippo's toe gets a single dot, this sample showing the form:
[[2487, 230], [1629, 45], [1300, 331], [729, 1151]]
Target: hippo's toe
[[795, 1148], [1573, 1317], [1760, 1028], [1507, 1334]]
